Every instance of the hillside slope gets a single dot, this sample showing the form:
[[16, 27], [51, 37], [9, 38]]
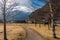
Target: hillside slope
[[43, 13]]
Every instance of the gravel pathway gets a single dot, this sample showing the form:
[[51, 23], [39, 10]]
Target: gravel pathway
[[32, 35]]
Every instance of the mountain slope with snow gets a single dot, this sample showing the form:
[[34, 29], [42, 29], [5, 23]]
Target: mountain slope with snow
[[23, 8]]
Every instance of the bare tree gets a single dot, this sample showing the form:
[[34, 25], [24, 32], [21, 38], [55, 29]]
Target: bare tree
[[5, 38], [52, 19], [4, 10]]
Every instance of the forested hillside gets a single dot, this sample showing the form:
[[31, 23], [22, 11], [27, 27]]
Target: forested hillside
[[44, 12]]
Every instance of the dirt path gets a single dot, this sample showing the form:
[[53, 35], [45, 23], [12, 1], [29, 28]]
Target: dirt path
[[32, 35]]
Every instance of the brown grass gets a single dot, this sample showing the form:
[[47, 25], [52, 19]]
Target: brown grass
[[14, 32]]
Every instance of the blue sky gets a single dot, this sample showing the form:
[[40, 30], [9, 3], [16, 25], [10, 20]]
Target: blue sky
[[37, 4]]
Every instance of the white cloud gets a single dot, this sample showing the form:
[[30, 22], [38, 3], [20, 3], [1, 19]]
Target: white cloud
[[24, 5], [23, 8]]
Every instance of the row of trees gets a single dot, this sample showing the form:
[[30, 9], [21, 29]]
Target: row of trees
[[51, 18], [52, 7]]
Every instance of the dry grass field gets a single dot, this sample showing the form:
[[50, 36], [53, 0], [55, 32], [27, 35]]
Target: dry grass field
[[43, 30], [14, 32]]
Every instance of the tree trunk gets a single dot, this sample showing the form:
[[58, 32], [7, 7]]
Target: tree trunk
[[35, 20], [54, 34], [4, 15], [52, 19], [5, 36]]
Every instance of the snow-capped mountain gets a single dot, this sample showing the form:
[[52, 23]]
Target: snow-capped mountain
[[17, 15], [22, 10]]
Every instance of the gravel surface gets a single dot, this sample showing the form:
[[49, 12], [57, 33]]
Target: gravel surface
[[32, 35]]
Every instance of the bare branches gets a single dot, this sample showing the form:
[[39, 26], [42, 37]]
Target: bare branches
[[8, 5], [11, 7]]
